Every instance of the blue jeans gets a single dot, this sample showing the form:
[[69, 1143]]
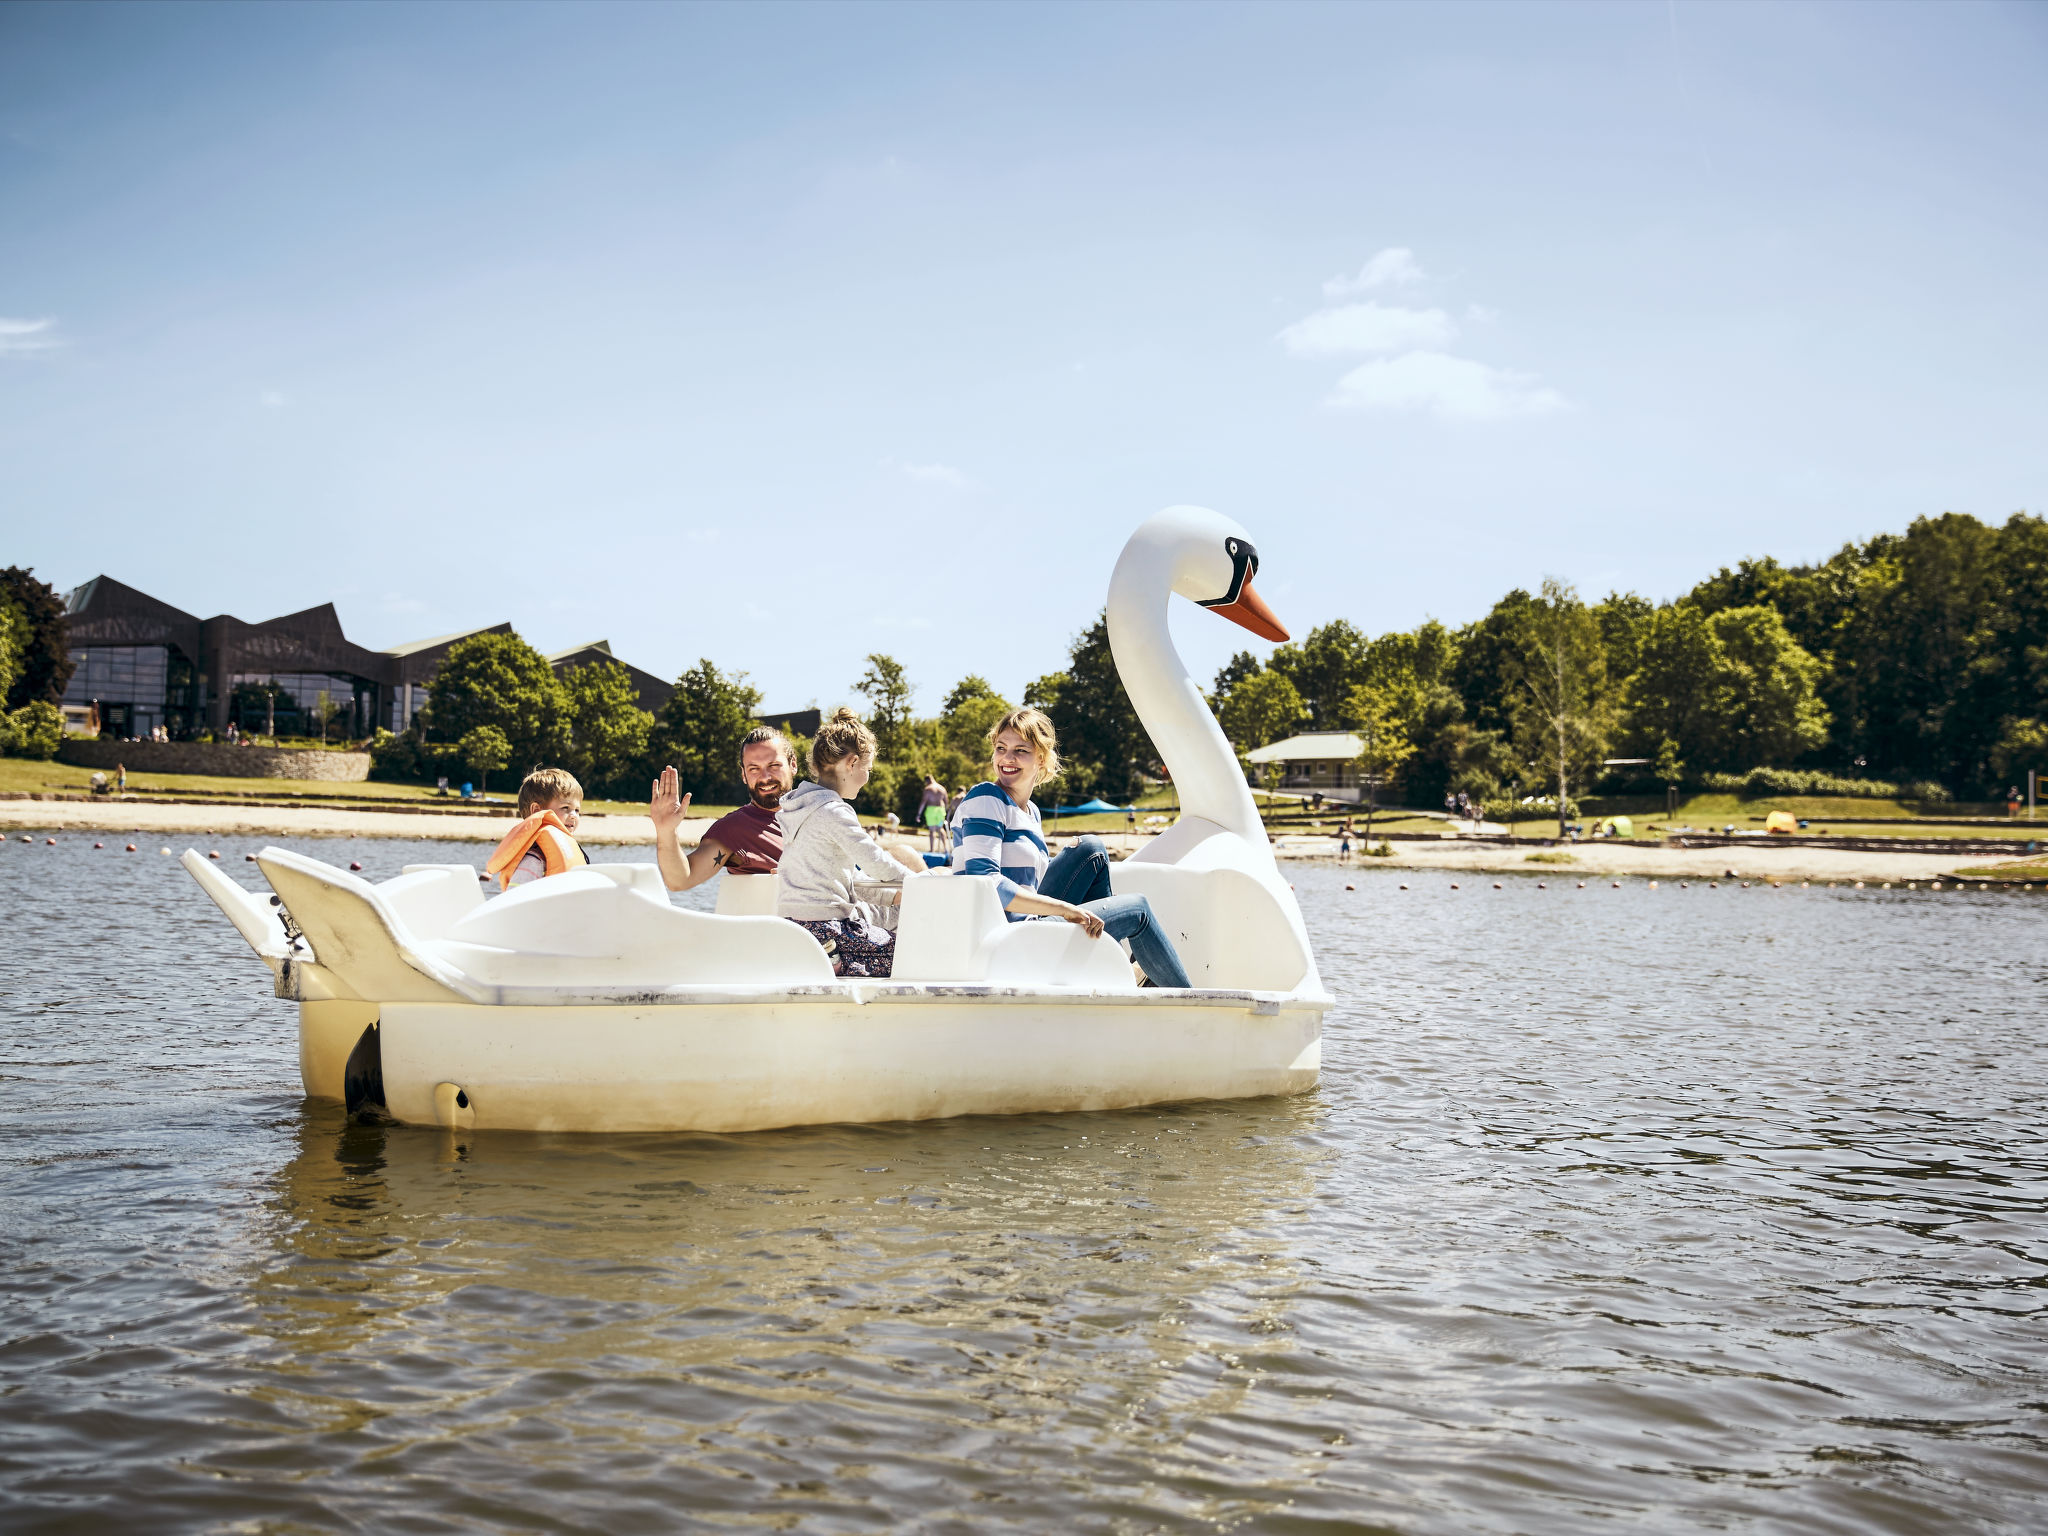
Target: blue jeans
[[1081, 875]]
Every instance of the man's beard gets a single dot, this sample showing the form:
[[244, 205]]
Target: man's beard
[[766, 801]]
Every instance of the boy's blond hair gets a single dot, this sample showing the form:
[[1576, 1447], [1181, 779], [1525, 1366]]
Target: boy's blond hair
[[544, 786], [840, 737], [1037, 731]]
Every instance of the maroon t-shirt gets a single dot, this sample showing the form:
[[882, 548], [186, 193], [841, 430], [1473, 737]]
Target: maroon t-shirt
[[752, 836]]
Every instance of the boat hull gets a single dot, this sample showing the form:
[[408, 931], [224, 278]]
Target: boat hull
[[920, 1054]]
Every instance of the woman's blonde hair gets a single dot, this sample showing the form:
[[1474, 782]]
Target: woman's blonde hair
[[838, 738], [1038, 733]]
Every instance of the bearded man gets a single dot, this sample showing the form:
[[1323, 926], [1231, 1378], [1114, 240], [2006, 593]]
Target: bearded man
[[747, 841]]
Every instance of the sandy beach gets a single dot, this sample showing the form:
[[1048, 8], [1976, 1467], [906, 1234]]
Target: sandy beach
[[1777, 860]]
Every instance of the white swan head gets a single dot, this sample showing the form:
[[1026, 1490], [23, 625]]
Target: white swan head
[[1210, 560]]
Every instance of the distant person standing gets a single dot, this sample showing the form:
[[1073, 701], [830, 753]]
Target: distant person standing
[[931, 811], [2012, 802], [121, 777]]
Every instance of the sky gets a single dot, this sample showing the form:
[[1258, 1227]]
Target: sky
[[780, 335]]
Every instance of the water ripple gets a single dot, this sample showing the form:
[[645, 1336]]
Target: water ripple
[[1674, 1209]]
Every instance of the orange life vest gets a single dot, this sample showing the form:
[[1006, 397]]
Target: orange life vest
[[542, 830]]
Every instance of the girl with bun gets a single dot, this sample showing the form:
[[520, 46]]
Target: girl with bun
[[825, 849]]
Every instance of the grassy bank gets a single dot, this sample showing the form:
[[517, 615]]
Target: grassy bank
[[26, 776]]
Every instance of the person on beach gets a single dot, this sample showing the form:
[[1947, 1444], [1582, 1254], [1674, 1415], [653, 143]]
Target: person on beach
[[544, 840], [825, 850], [997, 831], [931, 811], [746, 841]]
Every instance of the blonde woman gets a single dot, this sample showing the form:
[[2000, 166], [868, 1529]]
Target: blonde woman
[[996, 831], [825, 849]]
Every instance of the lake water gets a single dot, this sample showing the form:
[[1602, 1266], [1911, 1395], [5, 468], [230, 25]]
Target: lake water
[[1624, 1209]]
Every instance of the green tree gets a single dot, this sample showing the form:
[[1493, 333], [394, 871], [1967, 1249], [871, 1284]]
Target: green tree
[[13, 641], [500, 681], [1261, 709], [966, 724], [1563, 713], [700, 729], [1383, 741], [35, 730], [1234, 671], [1677, 692], [1730, 690], [608, 730], [972, 686], [2022, 744], [1486, 671], [43, 645], [1099, 731], [1622, 617], [485, 749], [1324, 669], [1771, 712], [888, 693]]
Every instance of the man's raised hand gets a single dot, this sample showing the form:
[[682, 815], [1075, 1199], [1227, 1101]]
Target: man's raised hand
[[663, 807]]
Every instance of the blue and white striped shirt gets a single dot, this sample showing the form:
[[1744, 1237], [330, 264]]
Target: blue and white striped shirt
[[994, 835]]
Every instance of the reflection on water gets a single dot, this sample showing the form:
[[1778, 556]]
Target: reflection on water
[[1687, 1209]]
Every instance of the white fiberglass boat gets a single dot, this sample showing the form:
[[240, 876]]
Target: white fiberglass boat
[[587, 1002]]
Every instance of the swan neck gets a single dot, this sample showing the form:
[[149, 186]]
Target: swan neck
[[1205, 771]]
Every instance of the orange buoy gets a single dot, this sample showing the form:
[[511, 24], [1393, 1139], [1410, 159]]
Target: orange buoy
[[131, 847]]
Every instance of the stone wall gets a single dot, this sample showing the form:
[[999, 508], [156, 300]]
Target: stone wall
[[216, 759]]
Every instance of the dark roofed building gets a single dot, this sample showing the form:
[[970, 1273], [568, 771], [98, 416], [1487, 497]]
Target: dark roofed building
[[142, 664], [649, 691], [415, 664], [798, 722]]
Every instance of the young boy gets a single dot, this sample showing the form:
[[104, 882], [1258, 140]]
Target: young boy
[[543, 843]]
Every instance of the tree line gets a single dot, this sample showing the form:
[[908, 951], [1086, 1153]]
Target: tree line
[[1910, 664]]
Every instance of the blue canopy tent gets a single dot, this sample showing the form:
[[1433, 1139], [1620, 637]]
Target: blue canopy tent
[[1096, 807]]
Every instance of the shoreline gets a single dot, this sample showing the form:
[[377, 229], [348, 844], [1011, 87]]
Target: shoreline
[[1604, 859]]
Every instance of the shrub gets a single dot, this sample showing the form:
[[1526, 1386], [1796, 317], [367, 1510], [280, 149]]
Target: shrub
[[34, 730], [1761, 783], [1926, 791]]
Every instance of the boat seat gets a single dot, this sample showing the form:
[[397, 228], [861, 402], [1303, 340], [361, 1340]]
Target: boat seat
[[432, 898], [1228, 925], [953, 929], [745, 895], [601, 926]]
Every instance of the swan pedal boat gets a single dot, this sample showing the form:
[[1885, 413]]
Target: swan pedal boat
[[587, 1002]]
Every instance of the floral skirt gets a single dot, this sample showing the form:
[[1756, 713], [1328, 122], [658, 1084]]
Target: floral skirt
[[855, 948]]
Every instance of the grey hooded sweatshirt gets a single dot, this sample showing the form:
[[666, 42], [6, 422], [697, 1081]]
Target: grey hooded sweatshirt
[[824, 850]]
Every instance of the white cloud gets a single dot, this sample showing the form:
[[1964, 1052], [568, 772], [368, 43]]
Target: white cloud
[[1394, 267], [1368, 328], [271, 400], [1443, 385], [20, 337], [929, 474]]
